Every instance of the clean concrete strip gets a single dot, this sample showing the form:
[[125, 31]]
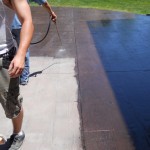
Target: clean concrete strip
[[50, 102]]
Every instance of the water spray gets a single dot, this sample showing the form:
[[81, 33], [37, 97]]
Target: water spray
[[61, 49]]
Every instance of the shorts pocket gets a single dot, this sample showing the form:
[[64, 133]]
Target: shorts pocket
[[5, 63]]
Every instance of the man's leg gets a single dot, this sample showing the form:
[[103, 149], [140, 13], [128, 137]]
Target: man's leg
[[2, 140], [11, 101], [24, 77], [17, 138], [17, 122]]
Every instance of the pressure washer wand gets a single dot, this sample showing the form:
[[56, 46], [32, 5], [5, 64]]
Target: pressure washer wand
[[58, 34]]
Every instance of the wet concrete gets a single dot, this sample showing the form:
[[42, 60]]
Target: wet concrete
[[123, 48], [111, 51], [113, 67]]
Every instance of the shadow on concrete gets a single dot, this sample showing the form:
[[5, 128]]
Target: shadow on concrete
[[124, 49], [34, 74]]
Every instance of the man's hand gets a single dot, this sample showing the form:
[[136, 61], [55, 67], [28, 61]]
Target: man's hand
[[47, 6], [53, 17], [16, 66]]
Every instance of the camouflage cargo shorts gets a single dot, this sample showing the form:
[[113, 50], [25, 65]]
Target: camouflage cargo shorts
[[10, 97]]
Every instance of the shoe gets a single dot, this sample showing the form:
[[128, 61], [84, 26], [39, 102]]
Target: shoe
[[24, 80], [24, 83], [16, 141]]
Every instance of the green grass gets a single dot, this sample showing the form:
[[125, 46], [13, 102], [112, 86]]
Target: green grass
[[134, 6]]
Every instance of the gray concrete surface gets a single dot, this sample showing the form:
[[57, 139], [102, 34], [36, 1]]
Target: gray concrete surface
[[51, 119]]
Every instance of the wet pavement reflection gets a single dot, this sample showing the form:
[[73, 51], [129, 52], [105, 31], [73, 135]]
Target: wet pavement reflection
[[123, 46]]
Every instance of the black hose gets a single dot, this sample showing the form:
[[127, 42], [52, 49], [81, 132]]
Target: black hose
[[32, 43]]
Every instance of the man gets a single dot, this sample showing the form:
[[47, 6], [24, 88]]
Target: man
[[16, 27], [11, 65]]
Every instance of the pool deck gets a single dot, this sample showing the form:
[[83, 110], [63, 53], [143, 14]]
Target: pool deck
[[91, 93]]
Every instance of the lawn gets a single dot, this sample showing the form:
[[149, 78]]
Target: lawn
[[135, 6]]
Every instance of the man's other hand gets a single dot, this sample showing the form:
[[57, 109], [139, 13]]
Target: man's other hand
[[16, 66]]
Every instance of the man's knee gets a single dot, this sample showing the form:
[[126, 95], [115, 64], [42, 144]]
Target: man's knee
[[10, 98], [11, 103]]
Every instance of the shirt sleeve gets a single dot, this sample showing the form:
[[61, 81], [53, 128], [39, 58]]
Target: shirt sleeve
[[40, 2]]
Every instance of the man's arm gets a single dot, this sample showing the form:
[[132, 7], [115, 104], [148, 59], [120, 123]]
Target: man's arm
[[47, 6], [22, 10]]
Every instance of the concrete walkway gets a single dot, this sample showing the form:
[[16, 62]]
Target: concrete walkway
[[50, 103], [91, 93]]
